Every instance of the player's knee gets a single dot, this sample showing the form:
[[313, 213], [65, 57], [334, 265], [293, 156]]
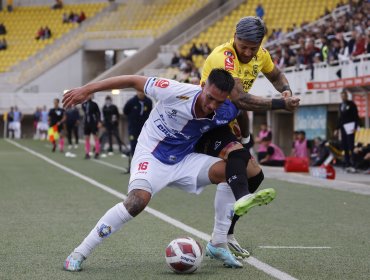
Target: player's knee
[[255, 181], [239, 154], [136, 201]]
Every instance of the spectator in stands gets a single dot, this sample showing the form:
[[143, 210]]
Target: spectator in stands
[[58, 5], [40, 34], [352, 42], [2, 29], [47, 33], [175, 61], [205, 49], [194, 50], [274, 155], [260, 12], [81, 17], [301, 146], [3, 44], [343, 53], [324, 49], [360, 47], [65, 18], [9, 5], [347, 125], [368, 43]]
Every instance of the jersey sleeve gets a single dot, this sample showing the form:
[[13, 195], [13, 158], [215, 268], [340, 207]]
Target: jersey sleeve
[[267, 63], [160, 88], [168, 90], [224, 59]]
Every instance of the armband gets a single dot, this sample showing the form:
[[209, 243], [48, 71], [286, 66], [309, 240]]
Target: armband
[[286, 87], [277, 104]]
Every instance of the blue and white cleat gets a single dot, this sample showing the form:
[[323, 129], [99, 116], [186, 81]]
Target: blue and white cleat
[[74, 262], [222, 254], [245, 203]]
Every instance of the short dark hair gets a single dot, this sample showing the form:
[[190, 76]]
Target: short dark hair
[[222, 79]]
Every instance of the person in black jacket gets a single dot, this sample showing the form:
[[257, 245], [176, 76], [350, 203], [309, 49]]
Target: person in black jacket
[[72, 123], [347, 124], [137, 110], [92, 122], [110, 121]]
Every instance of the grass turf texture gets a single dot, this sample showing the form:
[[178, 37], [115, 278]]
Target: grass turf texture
[[46, 212]]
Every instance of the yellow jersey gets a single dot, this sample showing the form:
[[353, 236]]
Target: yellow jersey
[[224, 56]]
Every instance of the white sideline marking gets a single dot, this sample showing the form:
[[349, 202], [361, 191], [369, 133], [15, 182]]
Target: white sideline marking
[[251, 260], [110, 165], [294, 247]]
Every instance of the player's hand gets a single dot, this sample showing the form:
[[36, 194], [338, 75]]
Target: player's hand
[[75, 96], [286, 94], [291, 103]]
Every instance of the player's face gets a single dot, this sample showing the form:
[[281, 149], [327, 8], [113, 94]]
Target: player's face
[[211, 98], [245, 50]]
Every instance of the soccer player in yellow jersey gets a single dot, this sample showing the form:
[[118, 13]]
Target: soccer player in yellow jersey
[[244, 57]]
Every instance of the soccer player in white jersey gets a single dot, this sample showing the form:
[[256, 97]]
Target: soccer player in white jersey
[[166, 146]]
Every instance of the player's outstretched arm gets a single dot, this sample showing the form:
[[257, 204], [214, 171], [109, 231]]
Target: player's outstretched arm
[[279, 81], [81, 94], [250, 102]]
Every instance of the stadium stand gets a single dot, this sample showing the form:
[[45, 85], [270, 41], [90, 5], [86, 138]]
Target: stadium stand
[[135, 20], [23, 23], [295, 13]]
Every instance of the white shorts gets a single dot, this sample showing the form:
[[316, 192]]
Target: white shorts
[[190, 174], [42, 126]]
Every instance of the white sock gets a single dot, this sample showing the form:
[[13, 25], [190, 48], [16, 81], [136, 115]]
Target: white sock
[[112, 221], [224, 211]]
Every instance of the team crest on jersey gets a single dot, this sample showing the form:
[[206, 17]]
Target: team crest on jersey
[[162, 83], [171, 114], [229, 54], [183, 97], [229, 63], [104, 230]]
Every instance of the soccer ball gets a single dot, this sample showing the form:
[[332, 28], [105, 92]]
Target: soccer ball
[[184, 255]]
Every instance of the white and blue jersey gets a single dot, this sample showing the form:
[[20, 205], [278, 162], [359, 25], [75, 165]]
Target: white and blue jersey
[[172, 129]]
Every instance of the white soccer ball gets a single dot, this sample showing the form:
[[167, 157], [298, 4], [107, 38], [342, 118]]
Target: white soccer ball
[[184, 255]]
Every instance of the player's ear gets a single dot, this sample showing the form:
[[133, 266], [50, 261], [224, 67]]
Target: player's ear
[[202, 84]]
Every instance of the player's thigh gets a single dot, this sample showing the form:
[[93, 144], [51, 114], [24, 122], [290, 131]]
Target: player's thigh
[[148, 173], [192, 173], [218, 142]]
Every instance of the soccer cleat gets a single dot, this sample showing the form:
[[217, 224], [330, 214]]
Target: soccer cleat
[[222, 254], [245, 203], [235, 248], [87, 156], [74, 262]]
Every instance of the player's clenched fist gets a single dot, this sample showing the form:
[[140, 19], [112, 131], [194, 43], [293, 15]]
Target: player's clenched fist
[[291, 103]]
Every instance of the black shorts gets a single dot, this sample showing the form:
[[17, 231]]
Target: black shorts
[[213, 141], [90, 129]]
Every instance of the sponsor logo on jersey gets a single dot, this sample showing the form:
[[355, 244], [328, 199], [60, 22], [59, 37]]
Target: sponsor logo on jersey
[[255, 70], [217, 144], [205, 128], [183, 97], [222, 122], [229, 63], [162, 83], [104, 230], [229, 54]]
